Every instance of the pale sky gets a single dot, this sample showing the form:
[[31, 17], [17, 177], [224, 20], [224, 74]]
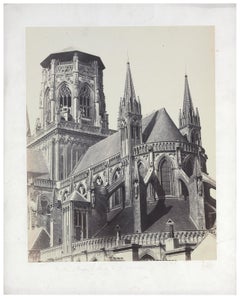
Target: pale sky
[[159, 58]]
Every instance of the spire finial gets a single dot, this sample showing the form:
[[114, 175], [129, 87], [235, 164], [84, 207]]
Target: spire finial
[[185, 70], [128, 58], [129, 92]]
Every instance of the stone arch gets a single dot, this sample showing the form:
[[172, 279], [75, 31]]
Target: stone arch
[[194, 136], [64, 100], [147, 258], [142, 168], [64, 94], [165, 156], [147, 255], [188, 165]]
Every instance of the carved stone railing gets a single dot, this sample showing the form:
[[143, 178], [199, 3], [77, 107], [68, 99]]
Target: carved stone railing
[[114, 159], [64, 68], [43, 183], [108, 243], [80, 176], [84, 127], [163, 146]]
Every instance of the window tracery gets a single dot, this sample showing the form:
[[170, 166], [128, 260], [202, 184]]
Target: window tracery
[[85, 101]]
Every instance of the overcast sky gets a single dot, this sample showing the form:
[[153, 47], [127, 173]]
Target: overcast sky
[[159, 58]]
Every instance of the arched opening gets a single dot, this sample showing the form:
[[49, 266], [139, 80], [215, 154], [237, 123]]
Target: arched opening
[[65, 98], [85, 101], [188, 167], [147, 258], [80, 224], [165, 176], [65, 102]]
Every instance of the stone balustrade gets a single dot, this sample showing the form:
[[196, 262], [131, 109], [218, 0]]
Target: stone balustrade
[[108, 243], [43, 183], [162, 146]]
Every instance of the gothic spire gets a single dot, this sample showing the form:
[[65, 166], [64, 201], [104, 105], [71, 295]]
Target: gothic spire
[[187, 101], [129, 92]]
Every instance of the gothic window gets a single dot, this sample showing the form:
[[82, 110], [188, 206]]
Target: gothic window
[[188, 167], [117, 197], [65, 98], [80, 223], [85, 101], [165, 176]]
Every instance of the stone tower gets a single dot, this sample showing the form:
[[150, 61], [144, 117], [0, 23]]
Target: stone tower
[[189, 120], [130, 126], [73, 112], [129, 121]]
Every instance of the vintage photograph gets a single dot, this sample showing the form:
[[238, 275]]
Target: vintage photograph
[[121, 144]]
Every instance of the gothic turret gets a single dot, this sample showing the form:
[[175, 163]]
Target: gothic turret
[[189, 120], [130, 118]]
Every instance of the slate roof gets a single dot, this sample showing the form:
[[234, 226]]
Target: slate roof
[[68, 55], [36, 164], [164, 129], [124, 219], [176, 210], [157, 126], [99, 152]]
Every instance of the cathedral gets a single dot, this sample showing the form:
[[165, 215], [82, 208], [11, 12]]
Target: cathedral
[[138, 193]]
